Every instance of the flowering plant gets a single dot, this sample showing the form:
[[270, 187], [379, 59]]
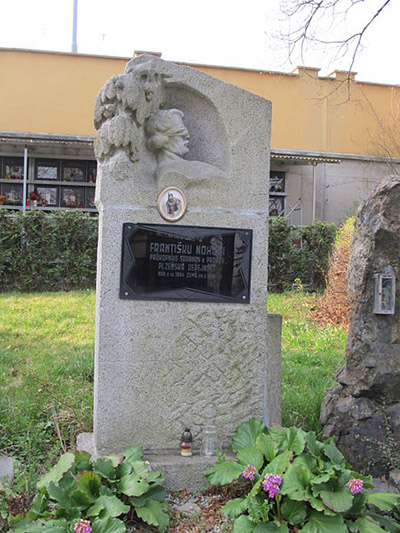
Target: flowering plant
[[296, 483], [83, 496], [34, 195]]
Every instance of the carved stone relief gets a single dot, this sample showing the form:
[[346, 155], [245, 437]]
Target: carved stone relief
[[130, 118]]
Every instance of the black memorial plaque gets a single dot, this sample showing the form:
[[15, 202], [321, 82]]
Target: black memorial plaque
[[189, 263]]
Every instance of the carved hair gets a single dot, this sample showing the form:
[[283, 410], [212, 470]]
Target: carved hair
[[163, 125]]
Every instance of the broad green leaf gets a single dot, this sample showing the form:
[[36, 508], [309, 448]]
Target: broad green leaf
[[89, 483], [294, 512], [140, 468], [108, 525], [278, 434], [268, 527], [235, 507], [44, 526], [133, 454], [116, 460], [123, 470], [104, 468], [295, 483], [332, 451], [279, 464], [68, 513], [40, 503], [357, 509], [318, 480], [319, 523], [67, 482], [340, 500], [60, 495], [388, 523], [82, 457], [156, 476], [295, 440], [107, 506], [251, 456], [267, 446], [247, 433], [223, 473], [81, 499], [305, 460], [314, 446], [368, 525], [317, 504], [243, 524], [155, 492], [384, 501], [106, 491], [56, 473], [153, 513], [133, 485]]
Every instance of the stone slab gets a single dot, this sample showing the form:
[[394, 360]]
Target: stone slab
[[6, 468], [166, 365], [85, 443], [180, 472]]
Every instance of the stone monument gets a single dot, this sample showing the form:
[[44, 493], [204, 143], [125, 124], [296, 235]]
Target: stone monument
[[183, 338], [363, 411]]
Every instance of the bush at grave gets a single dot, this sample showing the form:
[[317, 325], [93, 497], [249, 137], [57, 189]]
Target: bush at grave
[[290, 263], [47, 251]]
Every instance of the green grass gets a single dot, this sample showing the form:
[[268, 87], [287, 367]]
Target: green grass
[[46, 374], [311, 356], [46, 370]]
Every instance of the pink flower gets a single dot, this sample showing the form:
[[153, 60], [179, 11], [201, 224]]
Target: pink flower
[[355, 485], [148, 466], [271, 484], [83, 526], [249, 471]]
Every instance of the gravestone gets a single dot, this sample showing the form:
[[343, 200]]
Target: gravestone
[[183, 338], [363, 410]]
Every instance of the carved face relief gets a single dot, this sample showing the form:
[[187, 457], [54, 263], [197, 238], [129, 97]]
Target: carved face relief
[[178, 144]]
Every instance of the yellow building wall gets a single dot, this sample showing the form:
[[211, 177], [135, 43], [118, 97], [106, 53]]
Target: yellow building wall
[[45, 92]]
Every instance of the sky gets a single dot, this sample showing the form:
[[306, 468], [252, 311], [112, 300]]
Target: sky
[[209, 32]]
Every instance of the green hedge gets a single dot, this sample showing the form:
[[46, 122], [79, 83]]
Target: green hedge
[[47, 251], [57, 251], [299, 255]]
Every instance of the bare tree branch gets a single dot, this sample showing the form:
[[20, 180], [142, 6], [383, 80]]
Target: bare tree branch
[[319, 24]]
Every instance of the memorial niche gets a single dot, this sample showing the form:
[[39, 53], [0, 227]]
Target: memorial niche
[[185, 263]]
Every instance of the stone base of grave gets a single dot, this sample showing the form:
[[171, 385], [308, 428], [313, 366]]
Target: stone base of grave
[[6, 468], [180, 472]]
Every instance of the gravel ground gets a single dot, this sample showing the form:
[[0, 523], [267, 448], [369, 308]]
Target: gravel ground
[[196, 512]]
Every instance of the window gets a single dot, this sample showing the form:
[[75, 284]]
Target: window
[[51, 183], [276, 193]]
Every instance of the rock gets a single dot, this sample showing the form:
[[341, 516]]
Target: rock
[[6, 468], [394, 479], [363, 412], [189, 509]]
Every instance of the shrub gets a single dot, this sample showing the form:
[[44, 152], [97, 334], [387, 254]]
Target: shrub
[[301, 254], [47, 251], [80, 495], [297, 482]]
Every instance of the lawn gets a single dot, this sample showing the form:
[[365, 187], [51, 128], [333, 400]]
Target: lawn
[[46, 369]]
